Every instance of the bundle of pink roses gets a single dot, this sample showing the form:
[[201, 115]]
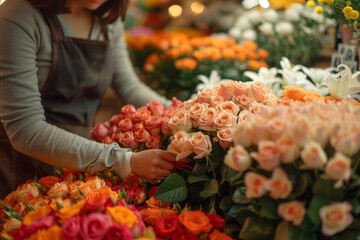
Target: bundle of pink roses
[[145, 127], [298, 169]]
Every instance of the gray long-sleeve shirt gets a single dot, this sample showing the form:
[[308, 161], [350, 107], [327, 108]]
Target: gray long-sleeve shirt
[[25, 60]]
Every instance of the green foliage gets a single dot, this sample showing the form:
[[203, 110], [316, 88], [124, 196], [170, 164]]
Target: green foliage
[[172, 189]]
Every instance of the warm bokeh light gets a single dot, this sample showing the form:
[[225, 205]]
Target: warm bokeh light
[[264, 3], [175, 11], [2, 1], [197, 7]]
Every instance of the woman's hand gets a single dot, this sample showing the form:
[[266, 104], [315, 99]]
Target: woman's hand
[[153, 164]]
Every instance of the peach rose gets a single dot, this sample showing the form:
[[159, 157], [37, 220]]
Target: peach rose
[[279, 185], [125, 124], [243, 101], [164, 126], [180, 145], [254, 185], [226, 89], [257, 108], [79, 190], [156, 108], [27, 192], [128, 140], [38, 202], [313, 155], [95, 182], [216, 100], [347, 142], [169, 112], [180, 121], [259, 131], [207, 118], [21, 208], [319, 133], [138, 125], [12, 226], [142, 135], [195, 112], [241, 135], [201, 144], [268, 156], [339, 167], [107, 140], [289, 151], [153, 125], [154, 142], [241, 88], [244, 115], [141, 115], [238, 158], [206, 94], [99, 131], [225, 137], [335, 217], [128, 111], [293, 211], [258, 91], [277, 127], [224, 120], [59, 190], [196, 222], [228, 106]]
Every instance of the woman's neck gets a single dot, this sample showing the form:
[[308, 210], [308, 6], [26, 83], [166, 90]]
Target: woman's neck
[[80, 20]]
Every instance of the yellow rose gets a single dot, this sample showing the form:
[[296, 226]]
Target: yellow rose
[[122, 215]]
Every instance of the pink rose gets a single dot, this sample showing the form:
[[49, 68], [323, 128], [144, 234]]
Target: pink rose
[[115, 232], [128, 111], [125, 124], [293, 211], [114, 120], [268, 156], [141, 115], [241, 88], [206, 94], [228, 106], [154, 142], [99, 132], [169, 112], [59, 190], [313, 155], [128, 140], [335, 217], [195, 112], [225, 137], [226, 89], [238, 158], [156, 108], [180, 145], [243, 101], [153, 125], [112, 130], [224, 120], [254, 185], [94, 226], [279, 185], [241, 135], [176, 103], [207, 118], [289, 150], [180, 121], [201, 144], [277, 127], [71, 228], [216, 100], [164, 126], [339, 167], [142, 135]]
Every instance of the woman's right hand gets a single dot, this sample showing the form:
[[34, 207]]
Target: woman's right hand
[[153, 164]]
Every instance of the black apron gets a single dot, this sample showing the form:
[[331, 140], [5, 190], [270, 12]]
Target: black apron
[[79, 75]]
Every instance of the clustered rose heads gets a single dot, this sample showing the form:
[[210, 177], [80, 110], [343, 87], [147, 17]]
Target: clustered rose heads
[[215, 111], [132, 126], [297, 134], [190, 225]]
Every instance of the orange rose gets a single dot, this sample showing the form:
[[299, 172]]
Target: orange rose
[[125, 124], [216, 100], [196, 222], [37, 214], [156, 108], [53, 233], [122, 215], [164, 126], [217, 235], [141, 115], [142, 135], [180, 121], [195, 112], [103, 191], [12, 226], [224, 120], [153, 125], [228, 106], [48, 181], [154, 142], [206, 94], [254, 185], [128, 140], [67, 212], [201, 144], [241, 88], [226, 89], [293, 211], [180, 145], [149, 215]]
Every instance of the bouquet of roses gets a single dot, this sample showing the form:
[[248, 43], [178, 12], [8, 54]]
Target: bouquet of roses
[[295, 172], [138, 129]]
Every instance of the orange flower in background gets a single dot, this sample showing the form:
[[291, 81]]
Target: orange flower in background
[[150, 62], [217, 235], [196, 222], [263, 54], [48, 181], [239, 48], [186, 63], [241, 57], [149, 215], [199, 55], [277, 4], [250, 45], [171, 53], [37, 214], [229, 53], [53, 233], [294, 92], [156, 203], [252, 55], [67, 212], [122, 215], [254, 65]]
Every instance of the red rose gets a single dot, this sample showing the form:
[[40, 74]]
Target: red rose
[[167, 225], [216, 220], [184, 234], [152, 190], [94, 204], [119, 232], [95, 226], [48, 181]]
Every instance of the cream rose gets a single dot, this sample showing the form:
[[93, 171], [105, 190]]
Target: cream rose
[[268, 156], [335, 217], [293, 211], [313, 155], [244, 115], [254, 185], [180, 145], [258, 91], [347, 142], [59, 190], [277, 127], [12, 226], [27, 192], [279, 185], [201, 144], [238, 158]]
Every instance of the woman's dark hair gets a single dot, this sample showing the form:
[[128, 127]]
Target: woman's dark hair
[[108, 12]]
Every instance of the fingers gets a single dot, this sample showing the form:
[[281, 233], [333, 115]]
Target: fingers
[[168, 156], [166, 165]]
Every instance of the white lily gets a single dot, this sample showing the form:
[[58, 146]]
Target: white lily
[[344, 83], [287, 65], [296, 79], [265, 75], [211, 82]]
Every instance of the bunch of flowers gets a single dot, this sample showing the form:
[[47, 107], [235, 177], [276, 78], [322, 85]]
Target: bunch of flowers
[[295, 169], [294, 33], [173, 68], [138, 129]]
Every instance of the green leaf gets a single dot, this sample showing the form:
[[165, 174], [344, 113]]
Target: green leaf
[[268, 207], [236, 209], [7, 206], [211, 188], [356, 206], [239, 197], [313, 211], [172, 189], [257, 228], [296, 233], [194, 179], [325, 187], [347, 234], [226, 204], [301, 185]]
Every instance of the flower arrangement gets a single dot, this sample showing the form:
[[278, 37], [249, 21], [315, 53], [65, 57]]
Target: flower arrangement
[[294, 32], [138, 129], [172, 69], [294, 168]]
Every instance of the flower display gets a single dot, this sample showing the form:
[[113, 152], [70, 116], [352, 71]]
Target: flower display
[[299, 171]]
